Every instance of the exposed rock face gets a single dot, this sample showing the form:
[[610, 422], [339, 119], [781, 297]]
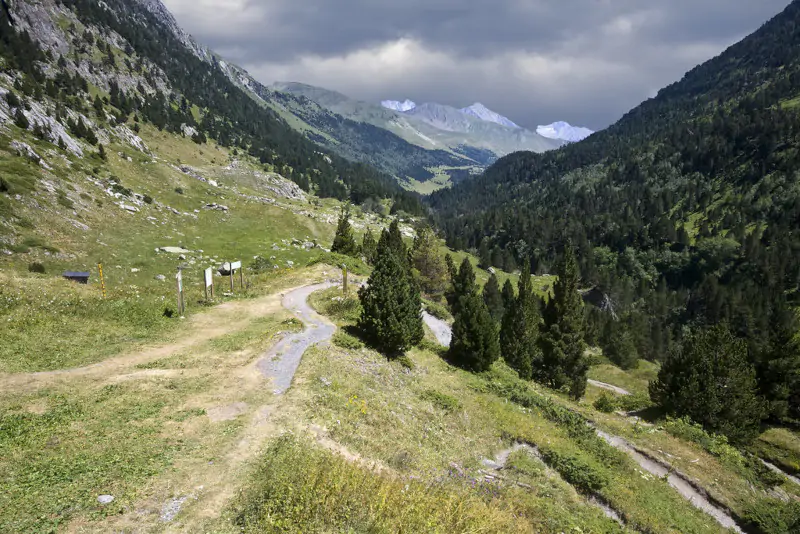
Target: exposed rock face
[[25, 150]]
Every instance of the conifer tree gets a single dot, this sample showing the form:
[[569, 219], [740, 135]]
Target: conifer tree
[[392, 240], [620, 348], [391, 317], [519, 331], [475, 345], [493, 299], [369, 247], [563, 362], [462, 283], [710, 380], [508, 296], [344, 242], [101, 151], [427, 261]]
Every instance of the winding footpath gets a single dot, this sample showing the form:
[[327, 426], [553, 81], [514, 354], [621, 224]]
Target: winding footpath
[[687, 490], [280, 363]]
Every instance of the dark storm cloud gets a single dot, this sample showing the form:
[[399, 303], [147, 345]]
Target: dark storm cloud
[[594, 58]]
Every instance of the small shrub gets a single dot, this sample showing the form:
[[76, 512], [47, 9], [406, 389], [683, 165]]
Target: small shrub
[[344, 308], [406, 362], [442, 401], [771, 516], [36, 267], [576, 471], [64, 200], [179, 190], [346, 341], [606, 403], [634, 403], [118, 188], [261, 265], [147, 199]]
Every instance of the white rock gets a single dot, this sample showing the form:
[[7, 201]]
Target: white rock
[[105, 499]]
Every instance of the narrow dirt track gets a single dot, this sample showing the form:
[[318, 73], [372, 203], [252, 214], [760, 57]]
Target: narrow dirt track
[[609, 387]]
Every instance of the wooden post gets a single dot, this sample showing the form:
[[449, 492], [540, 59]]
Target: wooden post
[[230, 273], [344, 279], [241, 278], [102, 280]]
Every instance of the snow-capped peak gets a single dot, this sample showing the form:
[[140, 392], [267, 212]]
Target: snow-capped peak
[[562, 130], [395, 105], [482, 112]]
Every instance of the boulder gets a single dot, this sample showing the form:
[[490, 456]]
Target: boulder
[[174, 250]]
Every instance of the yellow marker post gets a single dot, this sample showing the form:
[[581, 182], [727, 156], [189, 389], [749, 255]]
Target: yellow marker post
[[102, 280], [344, 279]]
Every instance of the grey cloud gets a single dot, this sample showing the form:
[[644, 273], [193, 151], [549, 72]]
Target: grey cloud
[[651, 43]]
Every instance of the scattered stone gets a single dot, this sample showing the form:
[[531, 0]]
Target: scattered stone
[[215, 206], [290, 263], [134, 270], [174, 250], [326, 382], [132, 209], [105, 499], [160, 277]]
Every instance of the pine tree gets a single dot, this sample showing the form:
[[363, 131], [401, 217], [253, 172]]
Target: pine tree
[[493, 299], [391, 317], [508, 296], [519, 331], [778, 364], [462, 284], [710, 380], [427, 261], [563, 362], [102, 153], [369, 247], [475, 345], [392, 240], [344, 242], [620, 348]]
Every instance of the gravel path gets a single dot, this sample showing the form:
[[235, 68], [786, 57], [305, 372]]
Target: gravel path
[[281, 361], [442, 330], [609, 387]]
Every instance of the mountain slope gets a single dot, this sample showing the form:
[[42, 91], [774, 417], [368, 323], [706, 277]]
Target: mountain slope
[[482, 112], [685, 211], [432, 126]]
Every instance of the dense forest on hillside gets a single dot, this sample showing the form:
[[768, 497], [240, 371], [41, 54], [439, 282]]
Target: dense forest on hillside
[[227, 114], [685, 212]]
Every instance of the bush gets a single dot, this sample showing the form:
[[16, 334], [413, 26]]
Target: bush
[[36, 267], [771, 516], [606, 403], [147, 199], [179, 190], [346, 341], [442, 401], [261, 265], [576, 471]]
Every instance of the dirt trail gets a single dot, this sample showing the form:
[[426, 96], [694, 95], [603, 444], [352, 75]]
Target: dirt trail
[[780, 471], [196, 491], [218, 321], [281, 362], [609, 387], [680, 484]]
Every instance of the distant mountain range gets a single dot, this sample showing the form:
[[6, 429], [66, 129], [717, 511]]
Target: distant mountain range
[[475, 136], [565, 132]]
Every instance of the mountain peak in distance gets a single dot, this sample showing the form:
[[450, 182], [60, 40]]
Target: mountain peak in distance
[[396, 105], [482, 112], [564, 131]]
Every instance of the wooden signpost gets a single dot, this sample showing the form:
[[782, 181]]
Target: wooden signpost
[[208, 279], [102, 280], [344, 279], [237, 266], [181, 303]]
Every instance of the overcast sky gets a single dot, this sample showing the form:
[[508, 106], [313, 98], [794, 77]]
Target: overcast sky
[[535, 61]]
